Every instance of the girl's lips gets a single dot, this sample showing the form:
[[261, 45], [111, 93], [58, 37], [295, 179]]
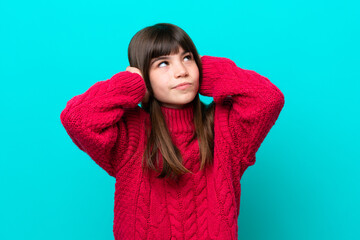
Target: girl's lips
[[183, 86]]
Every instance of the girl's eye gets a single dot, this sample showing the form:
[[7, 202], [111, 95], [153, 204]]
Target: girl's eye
[[159, 65], [165, 62], [188, 56]]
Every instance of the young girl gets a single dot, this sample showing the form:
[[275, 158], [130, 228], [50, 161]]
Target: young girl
[[177, 162]]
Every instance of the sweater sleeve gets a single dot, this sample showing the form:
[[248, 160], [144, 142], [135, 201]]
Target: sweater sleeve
[[255, 103], [91, 119]]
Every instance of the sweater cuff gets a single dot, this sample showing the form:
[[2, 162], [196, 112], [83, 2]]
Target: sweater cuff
[[132, 85], [214, 69]]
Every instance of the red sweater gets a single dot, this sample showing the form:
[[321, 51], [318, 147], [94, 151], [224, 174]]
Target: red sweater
[[107, 123]]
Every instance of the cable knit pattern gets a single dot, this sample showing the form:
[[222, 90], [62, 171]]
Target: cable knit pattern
[[107, 123]]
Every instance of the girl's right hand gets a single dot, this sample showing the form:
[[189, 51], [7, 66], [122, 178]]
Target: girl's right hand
[[136, 70]]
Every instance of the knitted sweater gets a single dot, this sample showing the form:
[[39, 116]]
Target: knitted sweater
[[107, 123]]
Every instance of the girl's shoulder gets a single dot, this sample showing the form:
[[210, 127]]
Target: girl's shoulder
[[136, 113], [136, 117]]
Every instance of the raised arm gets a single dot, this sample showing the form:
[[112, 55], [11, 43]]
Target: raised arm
[[92, 119], [254, 103]]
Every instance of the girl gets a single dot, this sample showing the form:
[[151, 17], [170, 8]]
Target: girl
[[177, 162]]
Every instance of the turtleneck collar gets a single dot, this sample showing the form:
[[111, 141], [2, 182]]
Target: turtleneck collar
[[179, 120]]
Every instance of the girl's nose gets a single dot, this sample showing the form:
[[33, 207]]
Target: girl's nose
[[180, 70]]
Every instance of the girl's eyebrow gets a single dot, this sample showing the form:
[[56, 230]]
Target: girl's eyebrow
[[165, 57]]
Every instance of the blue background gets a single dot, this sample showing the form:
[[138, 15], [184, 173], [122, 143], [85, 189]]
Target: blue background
[[305, 183]]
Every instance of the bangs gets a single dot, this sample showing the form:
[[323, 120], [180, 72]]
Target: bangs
[[165, 44]]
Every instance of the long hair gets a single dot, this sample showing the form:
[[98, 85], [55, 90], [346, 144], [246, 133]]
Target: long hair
[[151, 42]]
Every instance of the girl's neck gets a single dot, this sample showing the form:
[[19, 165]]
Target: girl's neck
[[179, 119]]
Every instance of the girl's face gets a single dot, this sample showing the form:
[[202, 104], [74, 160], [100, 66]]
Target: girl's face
[[167, 72]]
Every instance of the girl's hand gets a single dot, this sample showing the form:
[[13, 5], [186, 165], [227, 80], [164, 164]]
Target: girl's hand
[[136, 70]]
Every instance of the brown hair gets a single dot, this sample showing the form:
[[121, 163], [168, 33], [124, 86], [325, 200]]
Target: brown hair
[[151, 42]]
